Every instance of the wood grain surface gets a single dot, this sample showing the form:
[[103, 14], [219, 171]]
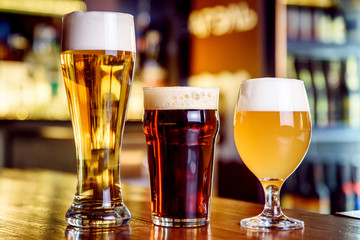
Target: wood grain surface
[[33, 204]]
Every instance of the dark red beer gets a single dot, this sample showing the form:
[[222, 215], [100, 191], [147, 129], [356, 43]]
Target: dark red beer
[[181, 146]]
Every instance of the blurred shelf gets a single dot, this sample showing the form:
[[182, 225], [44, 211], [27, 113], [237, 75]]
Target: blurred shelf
[[322, 51], [311, 3], [337, 134]]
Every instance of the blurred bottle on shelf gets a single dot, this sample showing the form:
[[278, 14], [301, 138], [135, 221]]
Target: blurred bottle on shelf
[[339, 32], [289, 191], [351, 9], [320, 190], [330, 170], [44, 65], [301, 66], [327, 185], [4, 33], [30, 77], [18, 46], [333, 88], [352, 93], [305, 26], [316, 24], [14, 74], [343, 198], [342, 86], [332, 71], [149, 70], [293, 22], [307, 189], [356, 180], [15, 91], [324, 27], [321, 26], [292, 71], [321, 93], [153, 74]]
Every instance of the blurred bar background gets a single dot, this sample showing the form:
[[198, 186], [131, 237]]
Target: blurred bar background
[[198, 43]]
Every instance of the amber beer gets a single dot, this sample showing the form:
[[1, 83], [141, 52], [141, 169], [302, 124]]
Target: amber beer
[[98, 66], [181, 125]]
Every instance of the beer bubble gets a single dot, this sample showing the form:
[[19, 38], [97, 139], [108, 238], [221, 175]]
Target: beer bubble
[[195, 95], [180, 98]]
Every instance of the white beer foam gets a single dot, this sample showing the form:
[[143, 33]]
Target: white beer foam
[[171, 98], [87, 31], [273, 94]]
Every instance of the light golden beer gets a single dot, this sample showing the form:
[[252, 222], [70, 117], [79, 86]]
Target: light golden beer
[[97, 87], [97, 60], [272, 144]]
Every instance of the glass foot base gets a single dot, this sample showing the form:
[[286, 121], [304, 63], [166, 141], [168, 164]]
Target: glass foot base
[[277, 223], [176, 222], [97, 217], [76, 233]]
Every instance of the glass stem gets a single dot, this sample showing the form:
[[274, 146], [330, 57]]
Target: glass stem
[[272, 207]]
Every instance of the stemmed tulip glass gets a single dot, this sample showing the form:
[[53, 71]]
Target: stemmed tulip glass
[[272, 131]]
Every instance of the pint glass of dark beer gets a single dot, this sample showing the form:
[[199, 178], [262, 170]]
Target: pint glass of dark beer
[[97, 60], [181, 126]]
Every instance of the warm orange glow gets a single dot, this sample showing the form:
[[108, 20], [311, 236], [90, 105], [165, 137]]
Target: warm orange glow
[[220, 20]]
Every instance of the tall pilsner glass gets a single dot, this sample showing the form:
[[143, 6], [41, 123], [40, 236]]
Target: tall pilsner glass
[[272, 130], [97, 60]]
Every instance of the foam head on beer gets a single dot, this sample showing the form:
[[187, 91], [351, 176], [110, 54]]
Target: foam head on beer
[[171, 98], [87, 31], [286, 95]]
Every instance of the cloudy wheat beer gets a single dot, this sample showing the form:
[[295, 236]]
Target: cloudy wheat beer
[[97, 60], [272, 131], [181, 125]]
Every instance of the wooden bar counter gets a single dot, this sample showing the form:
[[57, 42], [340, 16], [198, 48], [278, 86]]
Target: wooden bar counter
[[33, 204]]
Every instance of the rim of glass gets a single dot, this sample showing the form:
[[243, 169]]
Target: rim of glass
[[272, 79], [100, 13], [179, 88]]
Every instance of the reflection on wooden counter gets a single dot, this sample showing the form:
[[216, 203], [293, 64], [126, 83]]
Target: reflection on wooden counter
[[33, 205]]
